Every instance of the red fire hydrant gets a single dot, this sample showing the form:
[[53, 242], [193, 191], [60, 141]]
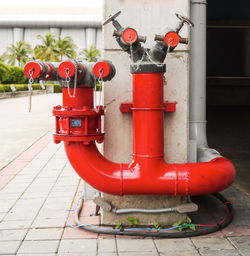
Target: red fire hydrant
[[78, 123]]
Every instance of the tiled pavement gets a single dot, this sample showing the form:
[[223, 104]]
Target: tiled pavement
[[38, 190]]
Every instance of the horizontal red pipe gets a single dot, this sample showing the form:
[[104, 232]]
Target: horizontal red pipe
[[149, 176]]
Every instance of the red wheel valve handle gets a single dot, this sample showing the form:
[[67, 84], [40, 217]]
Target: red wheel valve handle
[[129, 36], [40, 70], [104, 70], [68, 69]]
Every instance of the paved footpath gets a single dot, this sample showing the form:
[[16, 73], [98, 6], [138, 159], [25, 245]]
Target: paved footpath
[[20, 128], [39, 190]]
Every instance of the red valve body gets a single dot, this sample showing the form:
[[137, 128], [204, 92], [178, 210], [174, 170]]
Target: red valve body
[[33, 69], [129, 36], [172, 39], [69, 68], [40, 70], [104, 70], [76, 120]]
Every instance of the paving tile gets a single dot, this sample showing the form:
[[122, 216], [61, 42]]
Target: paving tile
[[34, 195], [242, 244], [6, 205], [77, 233], [236, 231], [51, 214], [44, 234], [106, 245], [12, 235], [212, 243], [139, 253], [77, 254], [4, 196], [226, 252], [164, 245], [18, 224], [60, 194], [9, 247], [37, 254], [2, 216], [180, 253], [21, 213], [49, 223], [78, 246], [135, 245], [41, 246], [107, 254]]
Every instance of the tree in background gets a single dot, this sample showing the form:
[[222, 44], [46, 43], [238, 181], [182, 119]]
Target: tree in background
[[19, 52], [66, 47], [47, 50], [90, 54]]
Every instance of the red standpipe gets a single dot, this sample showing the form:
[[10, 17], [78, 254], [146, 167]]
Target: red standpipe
[[148, 173]]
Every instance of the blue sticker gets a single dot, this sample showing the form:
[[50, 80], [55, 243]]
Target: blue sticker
[[76, 122]]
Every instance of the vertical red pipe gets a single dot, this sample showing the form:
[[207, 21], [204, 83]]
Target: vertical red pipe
[[83, 97], [148, 115]]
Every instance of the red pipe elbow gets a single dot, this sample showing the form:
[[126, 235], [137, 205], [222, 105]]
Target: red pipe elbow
[[79, 125], [149, 176]]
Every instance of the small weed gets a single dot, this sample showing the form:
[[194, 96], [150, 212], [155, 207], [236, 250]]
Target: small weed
[[133, 222], [118, 226], [186, 224], [158, 226]]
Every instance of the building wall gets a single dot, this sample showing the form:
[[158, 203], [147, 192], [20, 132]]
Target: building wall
[[148, 18], [83, 37]]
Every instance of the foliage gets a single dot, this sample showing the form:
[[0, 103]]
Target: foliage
[[15, 75], [158, 226], [133, 222], [53, 48], [66, 47], [18, 52], [118, 226], [24, 87], [57, 88], [186, 224], [90, 54], [11, 75], [3, 72], [47, 50]]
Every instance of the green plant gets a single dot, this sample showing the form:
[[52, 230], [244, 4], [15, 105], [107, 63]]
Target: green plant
[[90, 54], [4, 71], [53, 48], [18, 52], [186, 224], [158, 226], [47, 50], [118, 225], [66, 47], [57, 88], [15, 75], [133, 222], [1, 89]]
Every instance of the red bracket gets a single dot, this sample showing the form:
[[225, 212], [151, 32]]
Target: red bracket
[[127, 107]]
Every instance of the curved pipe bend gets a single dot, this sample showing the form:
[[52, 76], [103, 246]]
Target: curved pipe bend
[[157, 177]]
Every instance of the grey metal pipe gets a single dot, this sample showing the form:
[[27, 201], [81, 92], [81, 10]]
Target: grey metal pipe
[[199, 148]]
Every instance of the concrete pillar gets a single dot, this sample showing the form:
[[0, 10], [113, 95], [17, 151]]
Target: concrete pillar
[[90, 37], [148, 18]]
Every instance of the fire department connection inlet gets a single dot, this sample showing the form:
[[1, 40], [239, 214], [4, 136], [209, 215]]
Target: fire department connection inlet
[[78, 124]]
